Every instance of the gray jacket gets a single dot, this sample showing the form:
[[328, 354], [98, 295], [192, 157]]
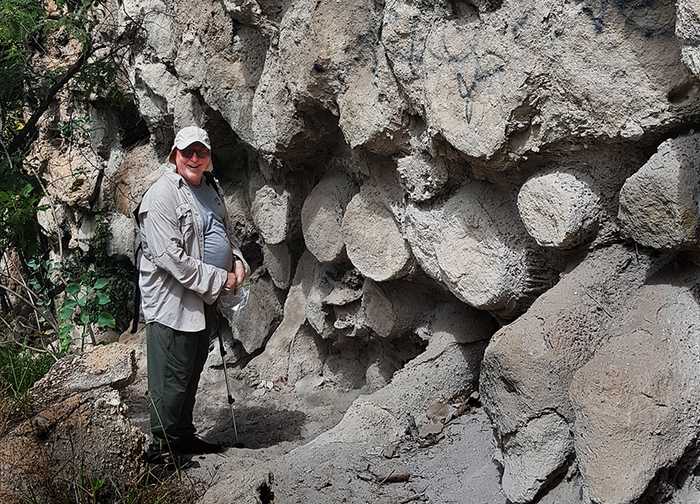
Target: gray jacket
[[174, 281]]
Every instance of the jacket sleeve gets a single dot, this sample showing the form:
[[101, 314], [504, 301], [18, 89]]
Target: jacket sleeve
[[164, 246]]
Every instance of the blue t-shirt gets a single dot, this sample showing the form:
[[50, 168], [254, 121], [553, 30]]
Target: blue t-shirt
[[217, 248]]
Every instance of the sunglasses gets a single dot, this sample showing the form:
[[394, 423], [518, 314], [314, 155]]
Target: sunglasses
[[188, 152]]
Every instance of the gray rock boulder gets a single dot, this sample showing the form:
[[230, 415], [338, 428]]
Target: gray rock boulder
[[688, 32], [122, 231], [391, 309], [322, 216], [253, 324], [472, 243], [328, 63], [373, 239], [636, 401], [530, 363], [271, 211], [495, 81], [278, 261], [274, 364], [422, 177], [659, 203], [559, 209]]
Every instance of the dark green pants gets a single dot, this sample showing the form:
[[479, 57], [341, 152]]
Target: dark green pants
[[175, 362]]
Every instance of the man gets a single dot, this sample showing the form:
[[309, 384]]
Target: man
[[188, 260]]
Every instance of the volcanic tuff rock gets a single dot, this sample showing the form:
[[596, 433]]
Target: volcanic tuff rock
[[473, 242], [79, 422], [530, 363], [659, 203], [559, 209], [636, 401], [396, 168]]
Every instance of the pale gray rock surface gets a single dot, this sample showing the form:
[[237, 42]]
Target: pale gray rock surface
[[274, 363], [328, 62], [465, 324], [278, 261], [636, 401], [659, 203], [472, 243], [161, 28], [253, 324], [122, 234], [688, 32], [422, 177], [373, 239], [558, 209], [500, 81], [530, 363], [322, 216], [444, 372], [272, 213], [390, 309], [540, 448]]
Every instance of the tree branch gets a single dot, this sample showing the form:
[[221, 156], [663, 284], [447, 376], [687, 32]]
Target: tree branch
[[22, 137]]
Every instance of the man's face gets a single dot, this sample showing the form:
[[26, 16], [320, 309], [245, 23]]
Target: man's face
[[192, 161]]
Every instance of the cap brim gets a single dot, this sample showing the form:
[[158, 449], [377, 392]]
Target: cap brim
[[183, 144]]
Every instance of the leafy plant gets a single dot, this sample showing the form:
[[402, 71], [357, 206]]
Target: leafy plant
[[83, 307], [21, 368]]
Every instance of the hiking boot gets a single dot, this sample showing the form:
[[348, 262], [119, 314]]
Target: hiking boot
[[156, 454], [197, 446]]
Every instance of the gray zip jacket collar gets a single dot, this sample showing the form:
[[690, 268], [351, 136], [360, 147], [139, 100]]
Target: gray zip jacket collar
[[174, 281]]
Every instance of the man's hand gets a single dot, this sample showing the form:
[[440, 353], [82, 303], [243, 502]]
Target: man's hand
[[231, 281], [235, 277], [240, 271]]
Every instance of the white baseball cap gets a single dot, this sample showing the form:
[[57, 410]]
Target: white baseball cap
[[186, 137]]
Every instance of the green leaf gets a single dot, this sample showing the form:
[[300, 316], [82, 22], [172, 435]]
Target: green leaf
[[102, 298], [73, 288], [72, 303], [82, 301], [106, 320], [85, 318], [64, 337], [65, 313], [101, 283]]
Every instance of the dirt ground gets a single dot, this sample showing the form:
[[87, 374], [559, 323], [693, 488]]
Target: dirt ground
[[453, 466]]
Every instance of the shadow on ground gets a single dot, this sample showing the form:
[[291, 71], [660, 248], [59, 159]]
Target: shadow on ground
[[257, 427]]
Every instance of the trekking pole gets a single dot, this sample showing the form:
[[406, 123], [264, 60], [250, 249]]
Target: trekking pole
[[228, 387]]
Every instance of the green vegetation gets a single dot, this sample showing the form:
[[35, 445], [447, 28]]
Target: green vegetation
[[72, 50], [20, 368]]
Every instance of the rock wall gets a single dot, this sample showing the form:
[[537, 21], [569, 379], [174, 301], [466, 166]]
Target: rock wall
[[406, 173]]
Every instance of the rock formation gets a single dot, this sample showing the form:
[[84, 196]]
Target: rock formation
[[423, 184], [79, 429]]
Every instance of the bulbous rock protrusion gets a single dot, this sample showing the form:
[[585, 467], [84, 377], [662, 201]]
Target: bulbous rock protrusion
[[278, 261], [559, 209], [659, 203], [473, 245], [421, 177], [322, 216], [271, 214], [373, 239]]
